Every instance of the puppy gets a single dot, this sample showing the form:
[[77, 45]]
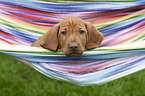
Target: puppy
[[72, 35]]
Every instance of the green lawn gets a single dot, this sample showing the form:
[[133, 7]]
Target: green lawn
[[17, 79]]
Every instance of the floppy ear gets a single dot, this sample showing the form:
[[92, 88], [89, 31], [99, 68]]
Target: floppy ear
[[95, 37], [50, 39]]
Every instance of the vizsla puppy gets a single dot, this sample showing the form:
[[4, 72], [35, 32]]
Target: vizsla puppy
[[72, 35]]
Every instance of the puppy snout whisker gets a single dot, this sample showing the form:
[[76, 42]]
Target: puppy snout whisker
[[73, 46]]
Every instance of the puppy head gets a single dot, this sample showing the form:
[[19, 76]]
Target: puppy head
[[73, 36]]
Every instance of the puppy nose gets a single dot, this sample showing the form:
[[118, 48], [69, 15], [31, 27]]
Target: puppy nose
[[73, 46]]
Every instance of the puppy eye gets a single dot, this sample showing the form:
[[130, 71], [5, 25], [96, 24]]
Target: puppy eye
[[82, 32], [63, 33]]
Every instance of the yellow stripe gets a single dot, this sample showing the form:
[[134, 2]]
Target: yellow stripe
[[121, 19]]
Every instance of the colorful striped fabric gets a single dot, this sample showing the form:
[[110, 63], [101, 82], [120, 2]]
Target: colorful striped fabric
[[121, 53]]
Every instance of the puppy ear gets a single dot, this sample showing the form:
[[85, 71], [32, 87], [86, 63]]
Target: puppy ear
[[50, 39], [95, 37]]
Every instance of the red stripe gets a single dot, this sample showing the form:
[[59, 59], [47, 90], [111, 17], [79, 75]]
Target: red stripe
[[115, 12], [34, 17], [9, 35], [21, 20], [33, 11], [6, 41]]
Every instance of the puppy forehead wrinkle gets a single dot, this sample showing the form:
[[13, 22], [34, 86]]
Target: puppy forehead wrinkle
[[71, 22]]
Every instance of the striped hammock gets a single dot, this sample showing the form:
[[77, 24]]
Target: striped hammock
[[122, 52]]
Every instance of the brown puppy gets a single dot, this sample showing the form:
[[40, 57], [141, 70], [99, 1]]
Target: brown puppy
[[72, 35]]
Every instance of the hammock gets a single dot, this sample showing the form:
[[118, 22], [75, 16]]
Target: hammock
[[121, 53]]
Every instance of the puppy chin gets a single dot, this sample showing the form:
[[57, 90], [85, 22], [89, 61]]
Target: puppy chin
[[74, 54]]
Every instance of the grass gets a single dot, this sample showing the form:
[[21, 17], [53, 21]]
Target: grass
[[17, 79]]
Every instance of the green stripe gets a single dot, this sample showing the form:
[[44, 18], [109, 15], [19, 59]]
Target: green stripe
[[17, 27], [139, 38], [61, 53], [71, 1]]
